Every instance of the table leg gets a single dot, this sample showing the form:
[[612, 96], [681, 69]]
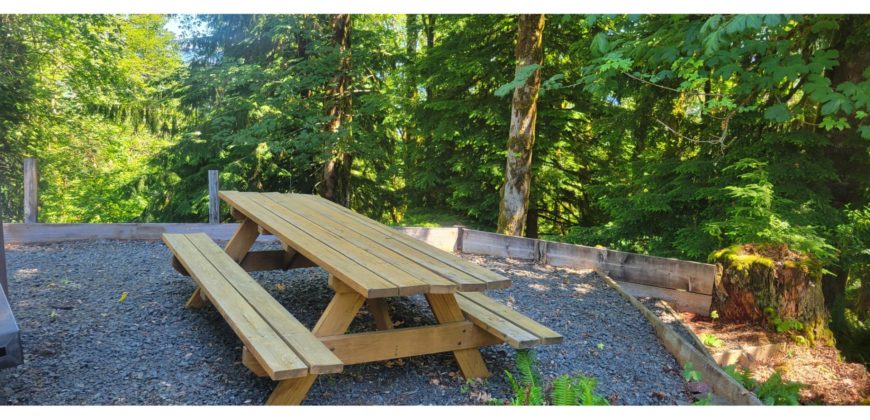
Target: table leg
[[445, 309], [291, 391], [341, 310], [335, 319], [380, 312]]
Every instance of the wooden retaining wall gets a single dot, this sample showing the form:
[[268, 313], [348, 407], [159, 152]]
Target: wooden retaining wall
[[687, 285], [722, 384], [32, 233]]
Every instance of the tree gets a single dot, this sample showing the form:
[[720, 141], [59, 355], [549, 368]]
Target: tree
[[521, 140], [336, 175]]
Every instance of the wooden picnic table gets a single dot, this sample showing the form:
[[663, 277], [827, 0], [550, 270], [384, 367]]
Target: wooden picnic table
[[367, 262]]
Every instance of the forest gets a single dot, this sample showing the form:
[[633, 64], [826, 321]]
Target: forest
[[670, 135]]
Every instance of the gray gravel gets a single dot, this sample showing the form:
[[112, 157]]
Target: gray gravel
[[84, 346]]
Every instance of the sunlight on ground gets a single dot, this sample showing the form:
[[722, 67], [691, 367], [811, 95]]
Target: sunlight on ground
[[539, 287], [583, 288], [26, 272]]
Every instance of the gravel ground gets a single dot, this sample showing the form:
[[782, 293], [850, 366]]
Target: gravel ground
[[85, 345], [671, 318]]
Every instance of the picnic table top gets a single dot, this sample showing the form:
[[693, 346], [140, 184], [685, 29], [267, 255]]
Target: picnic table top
[[373, 259]]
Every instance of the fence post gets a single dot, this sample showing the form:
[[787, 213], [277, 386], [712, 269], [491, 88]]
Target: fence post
[[31, 190], [214, 205], [4, 282]]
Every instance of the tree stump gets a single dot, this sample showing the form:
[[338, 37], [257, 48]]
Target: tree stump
[[771, 284]]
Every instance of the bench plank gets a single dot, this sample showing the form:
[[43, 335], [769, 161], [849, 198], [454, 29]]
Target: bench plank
[[490, 279], [544, 334], [318, 358], [364, 281], [496, 325], [257, 335]]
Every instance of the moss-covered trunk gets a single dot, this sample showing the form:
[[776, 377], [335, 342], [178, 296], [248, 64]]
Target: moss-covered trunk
[[774, 285], [524, 112]]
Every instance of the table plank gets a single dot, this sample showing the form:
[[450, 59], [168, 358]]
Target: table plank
[[407, 284], [360, 278], [348, 237], [447, 264]]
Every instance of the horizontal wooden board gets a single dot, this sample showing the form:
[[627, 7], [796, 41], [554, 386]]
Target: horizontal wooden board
[[681, 301], [441, 238], [544, 334], [363, 280], [722, 384], [477, 242], [406, 342], [660, 272], [20, 233], [404, 243], [636, 268], [259, 337]]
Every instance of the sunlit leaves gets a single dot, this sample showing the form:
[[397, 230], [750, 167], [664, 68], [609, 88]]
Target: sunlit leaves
[[522, 74], [778, 113]]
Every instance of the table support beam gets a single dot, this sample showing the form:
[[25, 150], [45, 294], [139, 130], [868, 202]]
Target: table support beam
[[407, 342], [291, 391], [445, 309], [380, 312]]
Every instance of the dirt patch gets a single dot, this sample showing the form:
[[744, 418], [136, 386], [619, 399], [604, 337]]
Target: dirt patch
[[829, 379]]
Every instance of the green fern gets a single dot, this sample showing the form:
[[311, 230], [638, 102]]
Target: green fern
[[775, 391], [566, 390]]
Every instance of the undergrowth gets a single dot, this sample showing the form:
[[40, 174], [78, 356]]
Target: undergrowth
[[528, 389], [773, 391]]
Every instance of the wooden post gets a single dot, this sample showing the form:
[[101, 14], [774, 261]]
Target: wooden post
[[31, 190], [4, 284], [214, 205]]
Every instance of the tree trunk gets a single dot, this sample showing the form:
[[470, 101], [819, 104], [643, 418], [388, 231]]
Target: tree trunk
[[524, 111], [335, 178], [3, 280], [847, 148], [532, 223], [771, 285]]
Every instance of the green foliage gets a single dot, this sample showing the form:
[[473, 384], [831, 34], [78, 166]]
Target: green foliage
[[782, 325], [706, 400], [85, 96], [673, 135], [578, 390], [710, 340], [528, 390], [523, 74], [565, 390], [773, 391], [690, 374]]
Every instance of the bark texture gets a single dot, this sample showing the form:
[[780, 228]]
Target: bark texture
[[335, 177], [769, 285], [524, 111]]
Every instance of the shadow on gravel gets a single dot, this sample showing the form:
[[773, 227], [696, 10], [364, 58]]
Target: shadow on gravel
[[85, 345]]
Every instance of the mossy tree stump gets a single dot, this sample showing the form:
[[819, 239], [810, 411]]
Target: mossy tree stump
[[771, 284]]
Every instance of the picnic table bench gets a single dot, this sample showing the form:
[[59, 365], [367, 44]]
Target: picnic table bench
[[367, 262]]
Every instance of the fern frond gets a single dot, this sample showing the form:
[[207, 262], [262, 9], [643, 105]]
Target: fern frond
[[564, 391]]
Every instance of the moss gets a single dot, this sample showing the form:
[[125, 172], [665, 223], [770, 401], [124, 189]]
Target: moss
[[735, 257]]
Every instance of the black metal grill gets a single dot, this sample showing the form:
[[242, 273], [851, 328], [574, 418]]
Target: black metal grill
[[10, 335]]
